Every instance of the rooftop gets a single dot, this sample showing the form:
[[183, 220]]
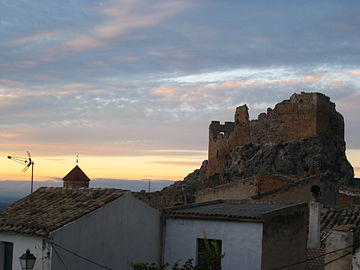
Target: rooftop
[[332, 217], [49, 208], [226, 210], [76, 174]]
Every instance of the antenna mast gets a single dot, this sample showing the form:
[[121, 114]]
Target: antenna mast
[[27, 162]]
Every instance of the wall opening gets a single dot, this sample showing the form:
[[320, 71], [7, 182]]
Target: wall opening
[[209, 253], [315, 191], [6, 255]]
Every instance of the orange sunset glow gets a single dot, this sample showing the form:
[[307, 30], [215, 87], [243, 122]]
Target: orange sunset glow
[[131, 167], [132, 88]]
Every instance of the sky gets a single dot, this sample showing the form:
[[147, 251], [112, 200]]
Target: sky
[[131, 86]]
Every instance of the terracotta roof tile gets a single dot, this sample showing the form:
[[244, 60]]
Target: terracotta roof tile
[[76, 174], [315, 259], [228, 210], [335, 216], [50, 208]]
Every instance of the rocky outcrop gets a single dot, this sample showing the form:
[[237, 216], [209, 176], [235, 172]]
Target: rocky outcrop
[[298, 158], [179, 193], [199, 175]]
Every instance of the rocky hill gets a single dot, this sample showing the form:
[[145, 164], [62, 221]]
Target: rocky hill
[[298, 158], [300, 137]]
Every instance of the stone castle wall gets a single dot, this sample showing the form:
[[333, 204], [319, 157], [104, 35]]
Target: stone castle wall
[[243, 189], [302, 116]]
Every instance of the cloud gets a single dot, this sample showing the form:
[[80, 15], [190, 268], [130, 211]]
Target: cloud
[[123, 16], [8, 135], [177, 163], [84, 42], [168, 93], [39, 37], [157, 53], [130, 78], [10, 82], [254, 87]]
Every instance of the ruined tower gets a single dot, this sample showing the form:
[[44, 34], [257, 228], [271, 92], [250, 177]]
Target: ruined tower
[[302, 116]]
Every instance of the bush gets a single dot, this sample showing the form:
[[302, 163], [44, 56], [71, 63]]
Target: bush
[[210, 260]]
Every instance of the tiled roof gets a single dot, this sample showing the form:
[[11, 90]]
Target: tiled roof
[[227, 210], [315, 259], [350, 190], [160, 200], [335, 216], [76, 174], [50, 208]]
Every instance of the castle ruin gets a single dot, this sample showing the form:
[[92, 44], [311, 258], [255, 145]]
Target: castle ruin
[[302, 116]]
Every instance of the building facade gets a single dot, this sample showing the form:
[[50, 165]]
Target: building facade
[[61, 227], [251, 236]]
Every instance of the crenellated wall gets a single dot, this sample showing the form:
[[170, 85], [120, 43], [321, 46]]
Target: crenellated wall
[[302, 116]]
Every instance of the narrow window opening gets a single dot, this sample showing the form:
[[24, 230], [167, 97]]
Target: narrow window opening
[[221, 135]]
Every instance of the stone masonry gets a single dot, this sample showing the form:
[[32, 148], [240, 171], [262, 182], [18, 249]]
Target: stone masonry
[[302, 116]]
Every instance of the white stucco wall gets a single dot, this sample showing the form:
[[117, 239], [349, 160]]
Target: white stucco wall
[[356, 260], [123, 231], [339, 238], [21, 243], [241, 241]]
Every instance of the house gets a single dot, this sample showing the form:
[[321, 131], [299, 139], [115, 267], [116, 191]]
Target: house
[[80, 228], [340, 227], [338, 239], [252, 236]]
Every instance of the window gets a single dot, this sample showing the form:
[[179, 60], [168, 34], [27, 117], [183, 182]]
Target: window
[[209, 254], [6, 256]]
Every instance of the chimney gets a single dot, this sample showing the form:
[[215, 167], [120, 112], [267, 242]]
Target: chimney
[[314, 218]]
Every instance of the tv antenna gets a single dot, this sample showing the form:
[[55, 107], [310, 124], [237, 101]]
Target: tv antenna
[[27, 162]]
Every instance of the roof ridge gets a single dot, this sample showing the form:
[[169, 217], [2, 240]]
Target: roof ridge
[[49, 208], [230, 211], [76, 174], [192, 205]]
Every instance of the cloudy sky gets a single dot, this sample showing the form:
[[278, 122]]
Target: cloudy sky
[[131, 86]]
